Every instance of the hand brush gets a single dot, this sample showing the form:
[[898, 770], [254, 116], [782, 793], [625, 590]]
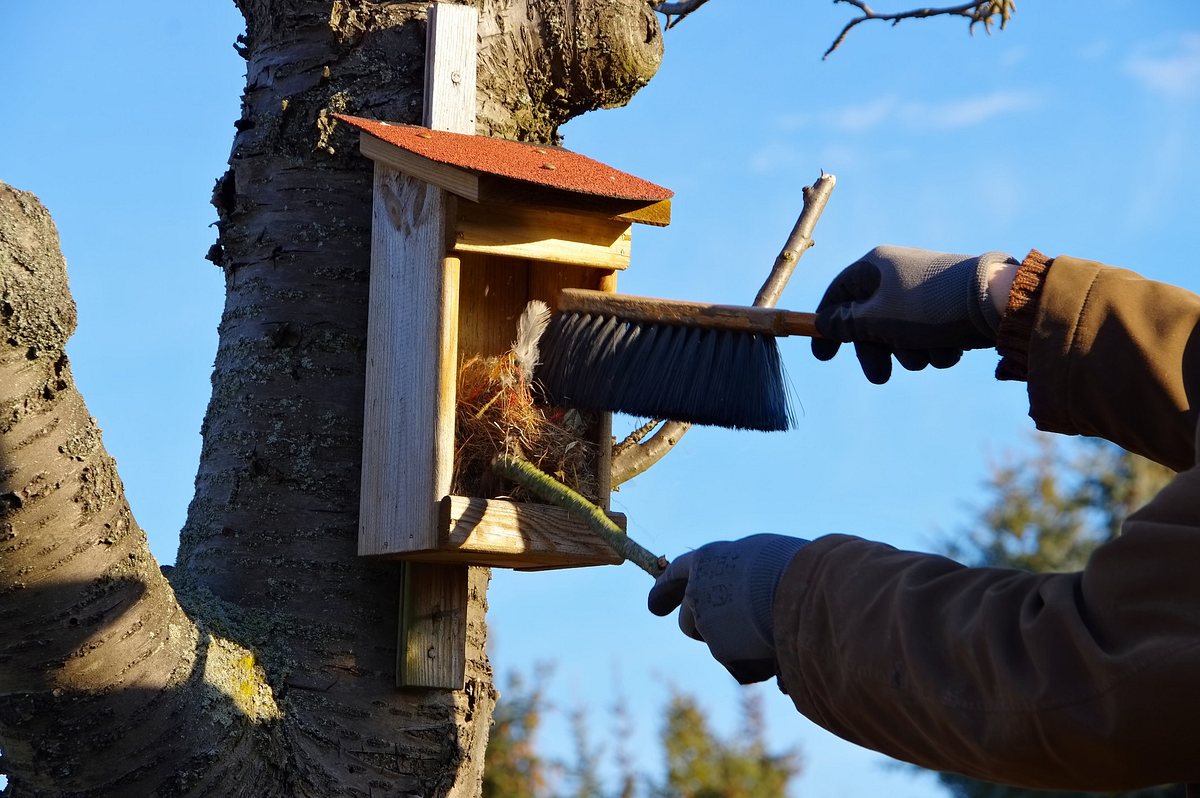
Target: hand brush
[[684, 361], [730, 378]]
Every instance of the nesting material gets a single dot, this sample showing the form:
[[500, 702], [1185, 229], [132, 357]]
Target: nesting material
[[498, 412]]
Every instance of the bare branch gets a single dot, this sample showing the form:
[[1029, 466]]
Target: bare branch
[[816, 197], [635, 460], [635, 437], [977, 11], [678, 9], [985, 11]]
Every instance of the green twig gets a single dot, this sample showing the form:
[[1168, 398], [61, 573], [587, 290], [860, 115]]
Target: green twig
[[547, 487]]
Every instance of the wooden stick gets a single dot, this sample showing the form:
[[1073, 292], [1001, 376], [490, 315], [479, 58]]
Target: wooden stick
[[547, 487], [816, 197]]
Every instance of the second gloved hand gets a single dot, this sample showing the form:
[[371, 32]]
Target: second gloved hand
[[923, 307], [726, 596]]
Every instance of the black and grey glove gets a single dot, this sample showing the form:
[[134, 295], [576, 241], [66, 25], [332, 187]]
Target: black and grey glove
[[726, 596], [924, 307]]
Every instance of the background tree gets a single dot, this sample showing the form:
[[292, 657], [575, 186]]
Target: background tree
[[583, 772], [701, 764], [513, 767], [697, 762], [623, 730], [1048, 512]]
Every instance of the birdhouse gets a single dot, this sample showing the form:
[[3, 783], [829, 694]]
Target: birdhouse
[[466, 230]]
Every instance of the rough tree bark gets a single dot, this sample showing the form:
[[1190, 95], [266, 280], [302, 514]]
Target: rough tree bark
[[264, 663]]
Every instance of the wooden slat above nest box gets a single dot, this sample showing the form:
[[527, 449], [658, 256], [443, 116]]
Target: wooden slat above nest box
[[543, 235]]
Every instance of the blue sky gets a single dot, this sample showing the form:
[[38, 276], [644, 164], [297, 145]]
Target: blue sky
[[1074, 131]]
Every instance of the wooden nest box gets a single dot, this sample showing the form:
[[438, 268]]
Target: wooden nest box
[[465, 231]]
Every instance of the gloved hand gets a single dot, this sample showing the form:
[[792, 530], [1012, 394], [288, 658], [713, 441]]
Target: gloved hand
[[923, 307], [726, 595]]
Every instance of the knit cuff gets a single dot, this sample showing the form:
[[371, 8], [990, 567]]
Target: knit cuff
[[983, 312], [763, 580], [1016, 326]]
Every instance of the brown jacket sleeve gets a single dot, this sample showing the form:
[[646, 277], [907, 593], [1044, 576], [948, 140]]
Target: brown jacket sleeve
[[1072, 681], [1116, 356]]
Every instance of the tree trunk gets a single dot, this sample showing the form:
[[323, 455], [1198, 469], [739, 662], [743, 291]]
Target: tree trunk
[[266, 665]]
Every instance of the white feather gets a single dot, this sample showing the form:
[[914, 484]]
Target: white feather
[[531, 325]]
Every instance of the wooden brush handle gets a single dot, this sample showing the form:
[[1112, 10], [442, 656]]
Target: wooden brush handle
[[769, 321]]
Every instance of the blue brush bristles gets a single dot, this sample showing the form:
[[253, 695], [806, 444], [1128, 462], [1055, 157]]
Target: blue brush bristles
[[683, 373]]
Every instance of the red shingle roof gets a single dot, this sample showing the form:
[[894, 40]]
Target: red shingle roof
[[551, 167]]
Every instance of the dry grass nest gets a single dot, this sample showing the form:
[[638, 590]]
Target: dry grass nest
[[498, 413]]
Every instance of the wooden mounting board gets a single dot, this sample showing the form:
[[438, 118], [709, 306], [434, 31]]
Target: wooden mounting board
[[435, 600]]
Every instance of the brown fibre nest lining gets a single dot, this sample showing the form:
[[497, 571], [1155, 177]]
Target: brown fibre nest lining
[[497, 413]]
